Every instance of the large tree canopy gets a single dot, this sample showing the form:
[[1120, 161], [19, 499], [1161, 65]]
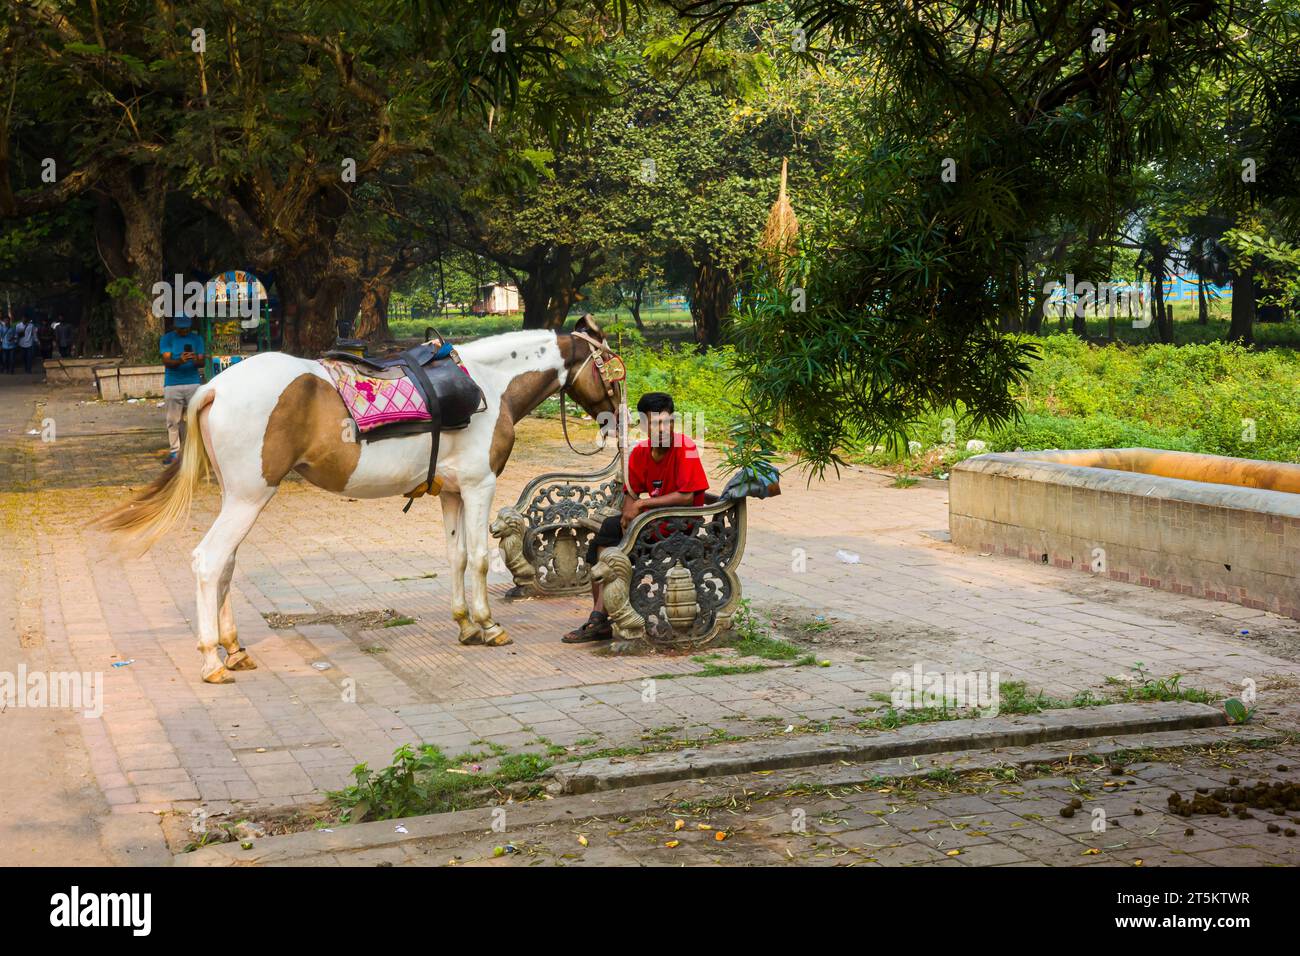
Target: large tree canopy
[[980, 126], [950, 161]]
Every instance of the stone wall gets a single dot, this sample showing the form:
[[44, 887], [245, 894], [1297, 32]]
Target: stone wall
[[129, 381], [1217, 541]]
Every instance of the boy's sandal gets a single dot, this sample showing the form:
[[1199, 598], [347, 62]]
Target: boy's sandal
[[597, 628]]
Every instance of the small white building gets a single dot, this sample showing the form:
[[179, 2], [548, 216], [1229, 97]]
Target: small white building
[[497, 298]]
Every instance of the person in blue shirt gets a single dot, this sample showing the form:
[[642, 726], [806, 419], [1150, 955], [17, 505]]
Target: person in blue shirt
[[182, 356], [8, 344], [26, 329]]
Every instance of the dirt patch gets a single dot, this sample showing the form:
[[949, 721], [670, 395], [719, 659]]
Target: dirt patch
[[812, 630], [1275, 635], [361, 620]]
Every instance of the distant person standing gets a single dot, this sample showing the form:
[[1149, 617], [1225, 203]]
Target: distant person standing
[[8, 343], [182, 355], [45, 339], [64, 335], [27, 337]]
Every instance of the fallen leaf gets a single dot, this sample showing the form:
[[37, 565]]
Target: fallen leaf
[[582, 839], [673, 843], [679, 824], [719, 836]]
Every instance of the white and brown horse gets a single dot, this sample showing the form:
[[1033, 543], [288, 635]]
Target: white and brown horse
[[273, 413]]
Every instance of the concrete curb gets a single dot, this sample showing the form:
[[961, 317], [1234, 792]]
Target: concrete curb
[[951, 735], [383, 841]]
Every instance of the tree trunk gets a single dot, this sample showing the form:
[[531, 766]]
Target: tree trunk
[[1010, 319], [1079, 323], [313, 297], [1034, 317], [535, 294], [1242, 327], [635, 307], [547, 295], [1164, 318], [372, 314], [1202, 302], [712, 293], [130, 232]]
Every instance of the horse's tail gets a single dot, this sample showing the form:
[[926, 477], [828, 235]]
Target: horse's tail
[[153, 512]]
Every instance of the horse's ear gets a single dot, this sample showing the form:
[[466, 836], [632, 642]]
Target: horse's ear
[[589, 325]]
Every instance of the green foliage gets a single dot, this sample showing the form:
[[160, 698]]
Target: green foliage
[[1214, 398], [1238, 712], [125, 288], [427, 781], [1201, 398]]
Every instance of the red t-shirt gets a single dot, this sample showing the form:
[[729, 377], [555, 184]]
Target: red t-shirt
[[679, 470]]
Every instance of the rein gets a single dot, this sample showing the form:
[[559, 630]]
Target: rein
[[612, 374]]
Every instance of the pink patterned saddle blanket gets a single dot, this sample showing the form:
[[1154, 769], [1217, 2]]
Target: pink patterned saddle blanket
[[377, 397]]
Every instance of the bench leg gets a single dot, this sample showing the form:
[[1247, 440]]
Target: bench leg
[[613, 572]]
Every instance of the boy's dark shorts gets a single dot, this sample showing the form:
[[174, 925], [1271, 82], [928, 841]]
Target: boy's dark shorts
[[610, 534]]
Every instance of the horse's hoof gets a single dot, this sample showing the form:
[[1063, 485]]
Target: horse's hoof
[[240, 661], [496, 636], [219, 676], [471, 637]]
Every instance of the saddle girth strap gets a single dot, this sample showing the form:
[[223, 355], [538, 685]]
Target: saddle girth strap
[[415, 371]]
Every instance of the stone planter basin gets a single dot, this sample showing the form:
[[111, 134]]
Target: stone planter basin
[[129, 381], [1227, 529], [77, 371]]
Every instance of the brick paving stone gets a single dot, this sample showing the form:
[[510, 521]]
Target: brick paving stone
[[165, 736]]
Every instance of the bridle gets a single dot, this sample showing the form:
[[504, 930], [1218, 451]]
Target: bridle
[[612, 374]]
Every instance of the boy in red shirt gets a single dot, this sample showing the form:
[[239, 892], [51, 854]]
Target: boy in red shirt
[[666, 468]]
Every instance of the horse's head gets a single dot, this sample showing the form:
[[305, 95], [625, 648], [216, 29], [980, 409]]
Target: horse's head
[[583, 382]]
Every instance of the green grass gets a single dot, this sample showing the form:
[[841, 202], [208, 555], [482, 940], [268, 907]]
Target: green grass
[[1146, 687], [715, 670], [1214, 398], [1187, 330], [752, 639], [1014, 697]]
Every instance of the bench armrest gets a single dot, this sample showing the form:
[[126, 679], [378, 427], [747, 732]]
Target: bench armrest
[[563, 496]]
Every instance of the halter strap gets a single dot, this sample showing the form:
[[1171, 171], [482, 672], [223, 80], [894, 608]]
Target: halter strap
[[614, 390]]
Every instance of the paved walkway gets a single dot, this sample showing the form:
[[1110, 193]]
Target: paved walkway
[[780, 820], [854, 568]]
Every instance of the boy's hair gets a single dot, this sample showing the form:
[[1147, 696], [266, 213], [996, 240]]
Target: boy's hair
[[652, 402]]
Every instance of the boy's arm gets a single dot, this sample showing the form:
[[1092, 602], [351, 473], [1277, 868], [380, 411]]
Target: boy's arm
[[676, 499]]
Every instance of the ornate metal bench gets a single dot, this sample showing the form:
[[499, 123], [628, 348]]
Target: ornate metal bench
[[544, 538], [671, 581]]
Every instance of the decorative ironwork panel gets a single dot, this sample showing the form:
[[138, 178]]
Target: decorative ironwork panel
[[682, 562]]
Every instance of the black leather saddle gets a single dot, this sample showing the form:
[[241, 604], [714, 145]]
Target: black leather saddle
[[450, 395]]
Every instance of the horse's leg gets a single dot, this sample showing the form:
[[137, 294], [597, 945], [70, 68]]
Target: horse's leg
[[237, 658], [453, 526], [474, 528], [213, 564]]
